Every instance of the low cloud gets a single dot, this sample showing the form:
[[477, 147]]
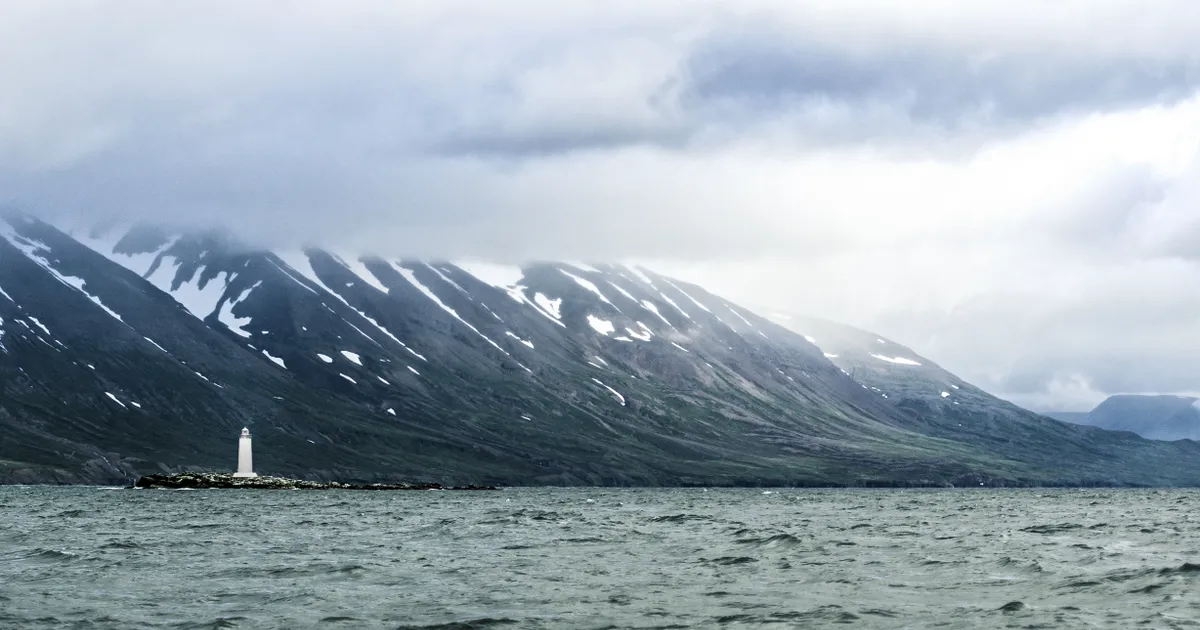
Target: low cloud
[[1010, 188]]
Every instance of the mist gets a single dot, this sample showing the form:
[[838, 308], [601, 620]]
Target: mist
[[1008, 188]]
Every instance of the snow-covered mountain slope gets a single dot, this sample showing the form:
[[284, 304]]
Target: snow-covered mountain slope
[[134, 349]]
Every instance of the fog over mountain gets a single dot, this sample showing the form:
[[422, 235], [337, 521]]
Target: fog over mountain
[[1009, 187]]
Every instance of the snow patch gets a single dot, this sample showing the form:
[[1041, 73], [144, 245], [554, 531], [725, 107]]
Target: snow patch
[[672, 303], [412, 279], [602, 326], [739, 315], [324, 357], [234, 323], [348, 378], [499, 276], [448, 281], [620, 398], [620, 290], [294, 278], [360, 270], [681, 347], [514, 336], [582, 266], [830, 356], [391, 411], [155, 344], [640, 276], [553, 307], [896, 360], [945, 394], [40, 325], [275, 360], [413, 370], [37, 252], [353, 357], [640, 336], [688, 296], [200, 301], [589, 285], [115, 399], [649, 306]]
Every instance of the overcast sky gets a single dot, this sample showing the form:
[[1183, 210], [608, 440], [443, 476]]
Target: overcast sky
[[1011, 188]]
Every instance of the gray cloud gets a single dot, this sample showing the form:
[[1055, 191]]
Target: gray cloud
[[1007, 187], [951, 88]]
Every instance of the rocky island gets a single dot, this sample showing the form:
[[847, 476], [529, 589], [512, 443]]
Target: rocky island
[[222, 481]]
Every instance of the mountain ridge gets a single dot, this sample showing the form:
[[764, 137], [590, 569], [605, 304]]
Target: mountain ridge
[[1154, 417], [143, 350]]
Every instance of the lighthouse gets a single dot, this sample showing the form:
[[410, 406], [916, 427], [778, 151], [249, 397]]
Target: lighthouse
[[245, 459]]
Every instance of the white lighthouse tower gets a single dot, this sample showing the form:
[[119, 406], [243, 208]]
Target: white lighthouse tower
[[245, 459]]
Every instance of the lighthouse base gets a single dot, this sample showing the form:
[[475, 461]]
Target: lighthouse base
[[242, 475]]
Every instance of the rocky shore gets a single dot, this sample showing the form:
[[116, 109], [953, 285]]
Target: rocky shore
[[204, 481]]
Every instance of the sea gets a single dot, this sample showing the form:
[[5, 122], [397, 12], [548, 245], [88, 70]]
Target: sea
[[86, 557]]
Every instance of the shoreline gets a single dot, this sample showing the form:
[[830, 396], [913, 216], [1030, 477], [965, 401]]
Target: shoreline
[[226, 481]]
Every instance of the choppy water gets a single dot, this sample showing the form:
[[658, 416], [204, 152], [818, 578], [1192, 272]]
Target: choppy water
[[526, 558]]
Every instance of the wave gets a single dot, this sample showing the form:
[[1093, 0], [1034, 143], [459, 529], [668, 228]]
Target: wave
[[51, 556], [786, 541], [727, 561], [1052, 529], [470, 624], [680, 518]]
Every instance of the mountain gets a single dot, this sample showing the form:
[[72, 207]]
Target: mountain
[[1152, 417], [136, 349], [938, 403]]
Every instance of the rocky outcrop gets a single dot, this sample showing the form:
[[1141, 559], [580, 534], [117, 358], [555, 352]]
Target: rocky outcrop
[[219, 481]]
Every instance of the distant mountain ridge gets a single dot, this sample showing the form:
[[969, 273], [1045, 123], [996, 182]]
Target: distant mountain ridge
[[135, 350], [1152, 417]]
